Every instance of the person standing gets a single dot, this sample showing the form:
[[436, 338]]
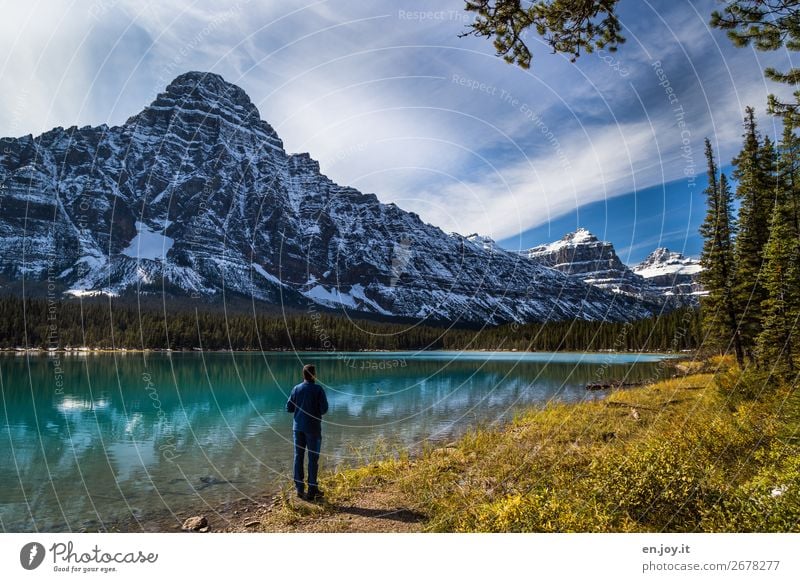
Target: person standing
[[308, 402]]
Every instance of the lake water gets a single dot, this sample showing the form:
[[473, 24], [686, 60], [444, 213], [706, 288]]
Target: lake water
[[96, 440]]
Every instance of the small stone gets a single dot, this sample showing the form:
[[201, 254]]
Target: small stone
[[196, 523]]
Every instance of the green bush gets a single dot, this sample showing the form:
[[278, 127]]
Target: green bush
[[542, 511], [769, 502], [738, 386], [658, 484]]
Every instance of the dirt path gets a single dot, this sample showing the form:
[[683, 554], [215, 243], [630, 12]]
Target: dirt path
[[367, 510]]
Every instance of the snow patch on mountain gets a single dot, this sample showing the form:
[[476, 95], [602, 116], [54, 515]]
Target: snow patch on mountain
[[332, 297], [482, 241], [662, 261], [148, 244], [89, 293], [260, 270], [571, 240], [671, 274], [658, 270]]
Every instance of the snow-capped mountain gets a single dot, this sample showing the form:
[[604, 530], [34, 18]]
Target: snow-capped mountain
[[583, 256], [196, 196], [670, 273], [662, 278]]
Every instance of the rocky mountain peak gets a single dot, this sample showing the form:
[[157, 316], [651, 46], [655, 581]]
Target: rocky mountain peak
[[482, 241], [191, 81], [578, 245], [672, 274], [582, 255], [200, 99], [662, 253], [663, 262], [581, 235], [211, 88], [196, 197], [663, 256], [303, 161]]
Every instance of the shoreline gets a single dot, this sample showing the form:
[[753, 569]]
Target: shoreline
[[83, 351], [362, 498], [269, 497], [621, 464]]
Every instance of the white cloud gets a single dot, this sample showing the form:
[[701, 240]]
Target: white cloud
[[532, 192], [43, 69], [372, 95]]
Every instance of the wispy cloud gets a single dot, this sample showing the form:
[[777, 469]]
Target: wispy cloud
[[390, 100]]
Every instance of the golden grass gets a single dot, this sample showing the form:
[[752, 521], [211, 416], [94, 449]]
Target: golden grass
[[678, 455]]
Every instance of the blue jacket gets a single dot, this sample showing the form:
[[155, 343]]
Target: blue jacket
[[309, 403]]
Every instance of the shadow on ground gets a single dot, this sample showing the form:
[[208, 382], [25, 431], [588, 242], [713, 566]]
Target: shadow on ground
[[402, 515]]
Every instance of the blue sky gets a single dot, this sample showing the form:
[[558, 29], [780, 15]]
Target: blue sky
[[389, 100], [665, 215]]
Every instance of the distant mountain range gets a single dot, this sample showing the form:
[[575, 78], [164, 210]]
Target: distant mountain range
[[664, 277], [196, 197], [670, 274]]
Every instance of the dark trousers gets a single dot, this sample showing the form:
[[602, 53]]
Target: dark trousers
[[312, 442]]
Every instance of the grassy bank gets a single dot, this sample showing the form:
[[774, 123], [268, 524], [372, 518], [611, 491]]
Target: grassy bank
[[708, 451]]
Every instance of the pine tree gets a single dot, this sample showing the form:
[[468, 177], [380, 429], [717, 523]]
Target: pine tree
[[720, 321], [766, 25], [778, 341], [755, 190], [789, 169]]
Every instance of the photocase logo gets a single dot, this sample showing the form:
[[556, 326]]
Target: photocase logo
[[31, 555]]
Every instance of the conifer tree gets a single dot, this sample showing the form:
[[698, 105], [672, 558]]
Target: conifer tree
[[755, 190], [766, 25], [778, 341], [720, 321], [789, 169]]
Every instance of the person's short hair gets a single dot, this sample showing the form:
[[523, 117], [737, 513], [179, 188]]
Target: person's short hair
[[309, 373]]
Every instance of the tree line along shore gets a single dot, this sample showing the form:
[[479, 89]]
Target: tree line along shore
[[37, 324]]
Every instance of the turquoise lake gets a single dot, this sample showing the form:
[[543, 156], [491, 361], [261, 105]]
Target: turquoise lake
[[92, 441]]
